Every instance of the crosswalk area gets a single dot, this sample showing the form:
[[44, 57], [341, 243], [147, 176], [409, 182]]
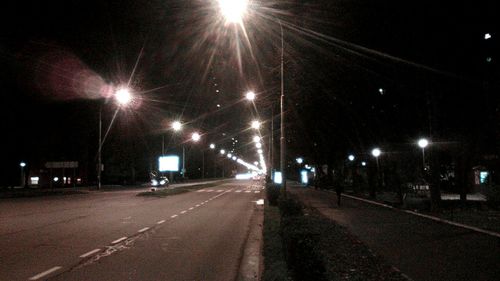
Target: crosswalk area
[[246, 190]]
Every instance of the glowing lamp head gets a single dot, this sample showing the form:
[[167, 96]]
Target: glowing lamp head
[[233, 10], [222, 151], [177, 126], [212, 146], [376, 152], [123, 96], [22, 164], [250, 96], [299, 160], [255, 124], [256, 139], [234, 158], [423, 143], [195, 137], [363, 163], [258, 145], [351, 157]]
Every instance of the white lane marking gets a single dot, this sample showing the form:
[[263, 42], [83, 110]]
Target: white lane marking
[[183, 212], [260, 202], [258, 191], [45, 273], [238, 191], [127, 218], [119, 240], [90, 253], [248, 191], [220, 190], [143, 229], [197, 205], [190, 208], [201, 190], [160, 222], [173, 216], [206, 201], [210, 190]]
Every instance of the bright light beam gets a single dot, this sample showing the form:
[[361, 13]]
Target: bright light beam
[[233, 10]]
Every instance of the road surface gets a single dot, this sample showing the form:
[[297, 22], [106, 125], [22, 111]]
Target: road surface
[[199, 235]]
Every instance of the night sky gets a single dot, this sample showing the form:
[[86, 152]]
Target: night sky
[[357, 74]]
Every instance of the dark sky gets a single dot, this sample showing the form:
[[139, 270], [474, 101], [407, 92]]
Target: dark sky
[[59, 57]]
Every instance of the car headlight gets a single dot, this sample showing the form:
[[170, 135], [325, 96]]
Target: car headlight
[[154, 182], [162, 182]]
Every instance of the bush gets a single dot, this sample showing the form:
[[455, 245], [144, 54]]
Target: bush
[[493, 196], [300, 244], [273, 193], [289, 207]]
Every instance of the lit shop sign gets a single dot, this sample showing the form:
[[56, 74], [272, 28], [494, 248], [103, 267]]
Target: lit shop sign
[[168, 163]]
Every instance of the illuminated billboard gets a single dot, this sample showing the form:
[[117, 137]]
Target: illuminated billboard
[[169, 163]]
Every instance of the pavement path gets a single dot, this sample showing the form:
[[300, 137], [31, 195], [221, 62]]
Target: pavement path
[[119, 236], [423, 249]]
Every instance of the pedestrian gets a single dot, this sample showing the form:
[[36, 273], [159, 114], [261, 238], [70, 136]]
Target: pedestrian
[[339, 187]]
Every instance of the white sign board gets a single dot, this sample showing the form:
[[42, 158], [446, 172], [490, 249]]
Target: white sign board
[[168, 163]]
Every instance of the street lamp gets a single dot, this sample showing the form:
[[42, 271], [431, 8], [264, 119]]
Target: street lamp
[[256, 139], [351, 157], [222, 151], [212, 146], [255, 124], [376, 153], [250, 96], [233, 11], [423, 143], [177, 126], [299, 160], [23, 178], [195, 137], [123, 97]]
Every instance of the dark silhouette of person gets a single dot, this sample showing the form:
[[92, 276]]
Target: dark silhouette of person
[[339, 187]]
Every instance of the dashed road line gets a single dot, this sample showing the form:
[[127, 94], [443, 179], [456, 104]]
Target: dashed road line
[[90, 253], [119, 240], [238, 191], [173, 216], [248, 191], [220, 190], [191, 208], [143, 229], [183, 212], [45, 273], [197, 205], [160, 222], [257, 191]]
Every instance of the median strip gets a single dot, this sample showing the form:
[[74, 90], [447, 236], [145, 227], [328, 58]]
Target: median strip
[[45, 273]]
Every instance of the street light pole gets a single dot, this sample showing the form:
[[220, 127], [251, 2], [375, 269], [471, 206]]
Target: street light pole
[[99, 148], [282, 125]]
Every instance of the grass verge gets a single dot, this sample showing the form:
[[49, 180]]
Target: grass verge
[[275, 268]]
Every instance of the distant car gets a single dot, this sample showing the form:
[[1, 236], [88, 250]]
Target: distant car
[[160, 182]]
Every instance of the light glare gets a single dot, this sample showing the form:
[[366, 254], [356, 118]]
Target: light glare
[[123, 96], [423, 143], [233, 10]]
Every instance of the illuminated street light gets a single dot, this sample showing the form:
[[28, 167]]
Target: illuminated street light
[[260, 151], [255, 124], [233, 10], [376, 152], [487, 36], [22, 164], [195, 137], [258, 145], [256, 163], [351, 157], [250, 96], [299, 160], [123, 96], [423, 143], [235, 158], [177, 125], [256, 139], [222, 151], [363, 163], [212, 146]]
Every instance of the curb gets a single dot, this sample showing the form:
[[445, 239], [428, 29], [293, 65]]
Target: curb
[[252, 261]]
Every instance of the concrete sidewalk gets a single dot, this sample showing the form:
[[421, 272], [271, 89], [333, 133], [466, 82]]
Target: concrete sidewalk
[[422, 249]]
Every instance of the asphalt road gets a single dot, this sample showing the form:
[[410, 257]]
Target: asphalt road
[[199, 235], [423, 249]]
